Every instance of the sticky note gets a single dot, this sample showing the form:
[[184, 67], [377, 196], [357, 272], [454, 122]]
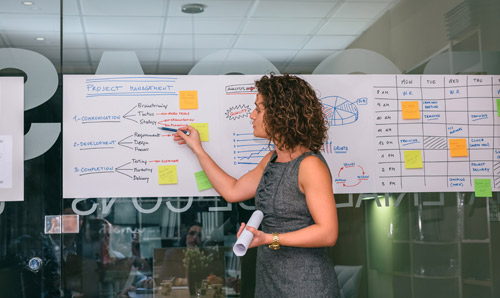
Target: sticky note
[[202, 128], [458, 147], [188, 99], [202, 181], [498, 105], [410, 110], [413, 159], [167, 174], [482, 188]]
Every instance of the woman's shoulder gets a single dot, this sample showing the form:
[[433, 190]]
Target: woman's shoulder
[[313, 173], [313, 161]]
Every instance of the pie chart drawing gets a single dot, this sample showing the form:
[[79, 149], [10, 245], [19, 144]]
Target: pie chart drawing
[[339, 111]]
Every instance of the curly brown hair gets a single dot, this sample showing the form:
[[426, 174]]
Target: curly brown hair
[[293, 113]]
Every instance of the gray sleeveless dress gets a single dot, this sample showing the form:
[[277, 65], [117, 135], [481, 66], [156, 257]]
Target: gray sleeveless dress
[[289, 271]]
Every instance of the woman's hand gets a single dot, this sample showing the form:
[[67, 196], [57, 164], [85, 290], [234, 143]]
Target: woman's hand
[[192, 140], [259, 237]]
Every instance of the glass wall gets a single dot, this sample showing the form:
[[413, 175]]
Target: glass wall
[[423, 244]]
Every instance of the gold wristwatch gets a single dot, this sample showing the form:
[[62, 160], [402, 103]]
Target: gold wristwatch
[[276, 242]]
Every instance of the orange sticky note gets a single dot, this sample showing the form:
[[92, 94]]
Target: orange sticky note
[[188, 99], [410, 110], [167, 174], [458, 147], [413, 159]]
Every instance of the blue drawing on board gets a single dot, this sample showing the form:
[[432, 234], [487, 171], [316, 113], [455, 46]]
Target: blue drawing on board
[[249, 150], [340, 111]]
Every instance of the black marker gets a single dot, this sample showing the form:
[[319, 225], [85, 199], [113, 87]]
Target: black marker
[[174, 130]]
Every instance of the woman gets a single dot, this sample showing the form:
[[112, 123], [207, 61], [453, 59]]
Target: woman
[[292, 186]]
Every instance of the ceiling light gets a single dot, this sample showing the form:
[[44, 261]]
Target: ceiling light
[[193, 8], [40, 38], [28, 3]]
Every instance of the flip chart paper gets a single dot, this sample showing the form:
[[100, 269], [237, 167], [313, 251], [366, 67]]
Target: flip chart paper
[[112, 146], [458, 147], [188, 100], [12, 136], [167, 174], [482, 188], [203, 130], [413, 159], [241, 245], [410, 110], [5, 161], [202, 181]]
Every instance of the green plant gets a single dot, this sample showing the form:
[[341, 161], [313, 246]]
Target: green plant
[[195, 259]]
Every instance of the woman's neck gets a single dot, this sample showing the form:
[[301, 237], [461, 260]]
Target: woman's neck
[[288, 155]]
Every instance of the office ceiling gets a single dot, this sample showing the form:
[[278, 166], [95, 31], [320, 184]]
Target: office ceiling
[[295, 36]]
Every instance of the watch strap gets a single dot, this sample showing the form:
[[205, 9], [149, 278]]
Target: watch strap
[[275, 245]]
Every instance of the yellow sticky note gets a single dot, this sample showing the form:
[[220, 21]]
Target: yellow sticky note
[[202, 128], [167, 174], [458, 147], [202, 181], [410, 110], [188, 99], [413, 159]]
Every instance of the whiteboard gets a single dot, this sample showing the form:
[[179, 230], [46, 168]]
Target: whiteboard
[[112, 146], [11, 139]]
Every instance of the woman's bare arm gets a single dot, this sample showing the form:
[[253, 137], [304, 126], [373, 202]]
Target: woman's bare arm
[[231, 189], [315, 182]]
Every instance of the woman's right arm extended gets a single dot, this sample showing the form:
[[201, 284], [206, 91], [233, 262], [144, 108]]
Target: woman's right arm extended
[[231, 189]]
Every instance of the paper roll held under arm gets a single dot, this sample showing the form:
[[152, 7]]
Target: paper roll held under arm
[[241, 245]]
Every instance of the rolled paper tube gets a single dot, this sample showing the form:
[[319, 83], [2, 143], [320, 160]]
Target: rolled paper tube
[[241, 245]]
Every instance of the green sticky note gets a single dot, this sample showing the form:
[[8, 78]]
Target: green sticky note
[[413, 159], [498, 105], [482, 188], [202, 181]]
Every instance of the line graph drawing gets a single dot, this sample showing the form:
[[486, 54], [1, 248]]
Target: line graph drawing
[[249, 150], [340, 111]]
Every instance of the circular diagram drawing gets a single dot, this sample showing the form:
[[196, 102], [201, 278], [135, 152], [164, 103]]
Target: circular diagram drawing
[[339, 111], [351, 175]]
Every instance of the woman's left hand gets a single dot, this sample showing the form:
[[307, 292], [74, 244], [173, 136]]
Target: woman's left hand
[[259, 237]]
